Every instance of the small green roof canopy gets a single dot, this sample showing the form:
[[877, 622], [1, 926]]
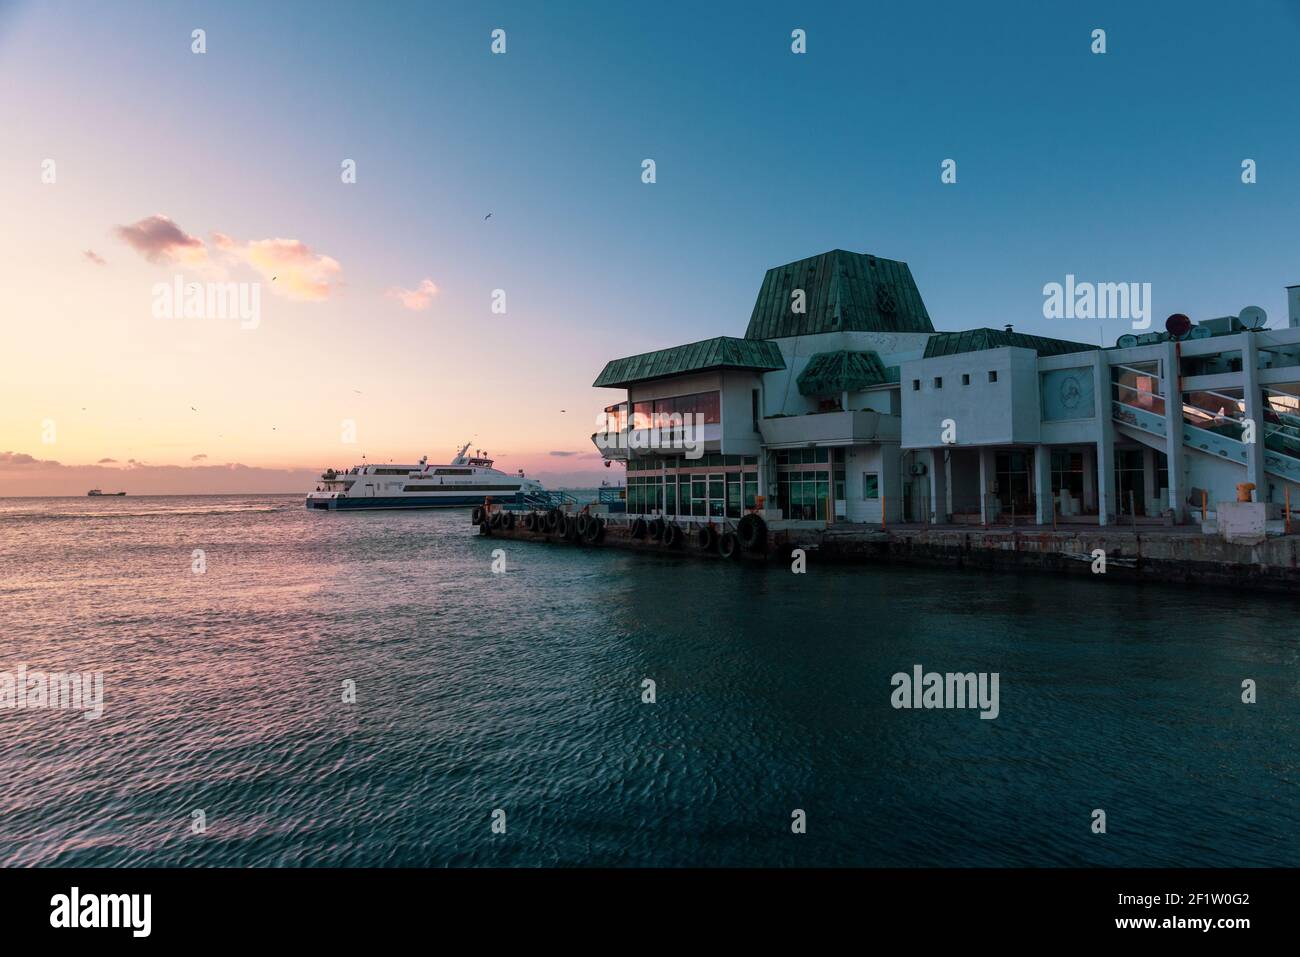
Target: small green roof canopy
[[842, 292], [724, 352], [976, 340], [830, 372]]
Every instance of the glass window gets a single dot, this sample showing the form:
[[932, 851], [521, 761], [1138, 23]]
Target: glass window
[[993, 375], [751, 490], [965, 378], [642, 413], [707, 404], [733, 495], [870, 485], [839, 484], [916, 385], [938, 382]]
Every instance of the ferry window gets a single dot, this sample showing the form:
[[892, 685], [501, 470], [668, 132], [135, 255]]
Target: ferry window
[[870, 485], [965, 378], [751, 489], [916, 385], [938, 382], [993, 375]]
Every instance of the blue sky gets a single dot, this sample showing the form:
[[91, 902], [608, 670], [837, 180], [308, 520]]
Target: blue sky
[[1117, 167]]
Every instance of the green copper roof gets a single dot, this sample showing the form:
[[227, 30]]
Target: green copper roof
[[830, 372], [723, 352], [975, 340], [843, 292]]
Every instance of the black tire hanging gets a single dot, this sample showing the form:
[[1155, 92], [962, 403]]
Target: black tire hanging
[[729, 545], [638, 528], [752, 532], [706, 538], [477, 517], [656, 529], [484, 528]]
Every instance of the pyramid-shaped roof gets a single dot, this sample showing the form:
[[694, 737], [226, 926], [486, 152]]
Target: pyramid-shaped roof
[[842, 292]]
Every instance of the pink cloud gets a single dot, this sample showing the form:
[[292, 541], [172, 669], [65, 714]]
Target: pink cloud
[[94, 257], [161, 241], [290, 266], [417, 299]]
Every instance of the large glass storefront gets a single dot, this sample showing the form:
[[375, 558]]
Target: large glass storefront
[[714, 486], [809, 482]]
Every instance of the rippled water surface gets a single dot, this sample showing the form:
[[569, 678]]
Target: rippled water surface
[[522, 691]]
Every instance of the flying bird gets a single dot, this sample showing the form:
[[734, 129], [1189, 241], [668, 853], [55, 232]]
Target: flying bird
[[487, 217]]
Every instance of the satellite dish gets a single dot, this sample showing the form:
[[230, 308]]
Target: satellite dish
[[1178, 325], [1253, 318], [1200, 332], [1127, 341]]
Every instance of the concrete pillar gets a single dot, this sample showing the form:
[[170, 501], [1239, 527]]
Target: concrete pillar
[[987, 471], [938, 487], [1090, 476], [1254, 413], [1171, 387], [1043, 484], [891, 482], [1105, 440], [1149, 490]]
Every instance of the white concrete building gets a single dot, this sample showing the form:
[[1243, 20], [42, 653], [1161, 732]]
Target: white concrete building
[[842, 403]]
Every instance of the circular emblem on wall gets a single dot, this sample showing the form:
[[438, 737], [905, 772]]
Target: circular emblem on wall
[[1070, 392]]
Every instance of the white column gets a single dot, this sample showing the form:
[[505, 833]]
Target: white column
[[1174, 449], [938, 487], [1149, 490], [1043, 484], [1105, 440], [1255, 413], [986, 476]]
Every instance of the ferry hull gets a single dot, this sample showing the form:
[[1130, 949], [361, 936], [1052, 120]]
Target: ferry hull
[[407, 502]]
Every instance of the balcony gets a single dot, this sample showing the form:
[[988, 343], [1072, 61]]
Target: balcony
[[832, 428], [616, 445]]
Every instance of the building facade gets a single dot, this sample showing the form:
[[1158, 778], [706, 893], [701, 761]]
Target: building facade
[[842, 403]]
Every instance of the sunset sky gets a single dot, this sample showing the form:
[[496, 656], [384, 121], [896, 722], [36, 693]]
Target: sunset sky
[[226, 166]]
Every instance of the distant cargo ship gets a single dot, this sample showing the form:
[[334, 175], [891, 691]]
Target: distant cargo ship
[[95, 492], [464, 481]]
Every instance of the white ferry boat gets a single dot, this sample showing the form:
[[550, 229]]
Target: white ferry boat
[[465, 481]]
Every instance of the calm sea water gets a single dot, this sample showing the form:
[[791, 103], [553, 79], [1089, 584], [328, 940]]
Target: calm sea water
[[522, 692]]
